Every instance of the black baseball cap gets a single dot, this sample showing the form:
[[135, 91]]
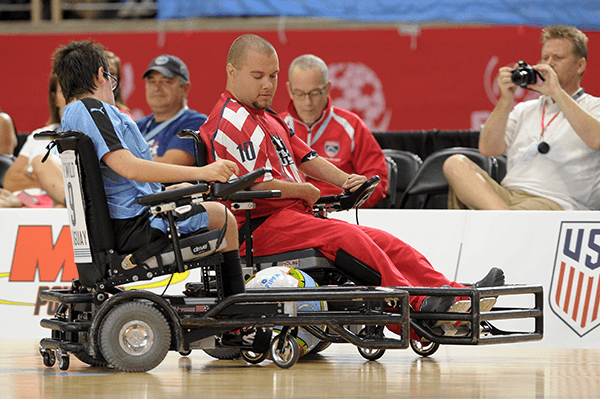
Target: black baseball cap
[[168, 65]]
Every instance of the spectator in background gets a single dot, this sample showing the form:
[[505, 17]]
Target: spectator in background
[[167, 87], [28, 171], [337, 135], [8, 134], [552, 143], [114, 65]]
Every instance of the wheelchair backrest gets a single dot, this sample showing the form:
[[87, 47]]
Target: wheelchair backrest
[[91, 228]]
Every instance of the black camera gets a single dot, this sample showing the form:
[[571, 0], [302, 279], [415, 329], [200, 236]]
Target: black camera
[[525, 75]]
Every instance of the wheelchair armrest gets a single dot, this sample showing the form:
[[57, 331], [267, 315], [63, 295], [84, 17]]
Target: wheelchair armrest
[[224, 190], [348, 200], [251, 195], [189, 134], [172, 195], [54, 135]]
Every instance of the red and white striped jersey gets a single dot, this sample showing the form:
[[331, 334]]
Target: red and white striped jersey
[[253, 139]]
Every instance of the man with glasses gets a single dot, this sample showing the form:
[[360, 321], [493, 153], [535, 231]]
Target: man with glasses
[[335, 134], [167, 87], [552, 143]]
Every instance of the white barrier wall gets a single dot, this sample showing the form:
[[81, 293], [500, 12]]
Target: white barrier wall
[[559, 250]]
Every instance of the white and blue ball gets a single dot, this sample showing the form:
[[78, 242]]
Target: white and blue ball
[[283, 276]]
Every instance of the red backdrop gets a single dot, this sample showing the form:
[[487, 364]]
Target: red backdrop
[[441, 78]]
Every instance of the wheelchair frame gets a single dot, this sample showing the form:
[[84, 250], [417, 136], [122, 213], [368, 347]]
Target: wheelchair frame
[[132, 330]]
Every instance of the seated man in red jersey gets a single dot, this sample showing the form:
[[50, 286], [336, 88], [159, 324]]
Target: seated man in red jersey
[[242, 128]]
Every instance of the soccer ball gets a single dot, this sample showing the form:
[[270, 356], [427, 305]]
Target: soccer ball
[[283, 276]]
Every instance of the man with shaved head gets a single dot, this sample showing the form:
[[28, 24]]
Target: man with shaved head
[[243, 129]]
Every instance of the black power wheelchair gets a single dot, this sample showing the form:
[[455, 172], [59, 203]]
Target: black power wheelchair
[[103, 323]]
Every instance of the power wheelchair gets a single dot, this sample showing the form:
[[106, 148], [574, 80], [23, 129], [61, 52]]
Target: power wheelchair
[[104, 324]]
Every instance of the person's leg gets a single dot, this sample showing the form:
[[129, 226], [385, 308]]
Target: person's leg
[[522, 201], [218, 217], [470, 186]]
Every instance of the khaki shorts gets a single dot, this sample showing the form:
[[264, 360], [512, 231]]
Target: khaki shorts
[[515, 199]]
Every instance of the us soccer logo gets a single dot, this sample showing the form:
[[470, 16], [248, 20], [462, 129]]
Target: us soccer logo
[[332, 148], [575, 287]]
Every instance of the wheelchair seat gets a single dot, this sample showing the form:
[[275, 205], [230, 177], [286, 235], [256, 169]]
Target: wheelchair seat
[[97, 261]]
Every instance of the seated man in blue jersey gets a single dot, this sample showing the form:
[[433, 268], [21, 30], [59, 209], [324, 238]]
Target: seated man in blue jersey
[[167, 86], [127, 168]]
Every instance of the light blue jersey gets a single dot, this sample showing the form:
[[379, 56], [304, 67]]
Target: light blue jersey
[[112, 130]]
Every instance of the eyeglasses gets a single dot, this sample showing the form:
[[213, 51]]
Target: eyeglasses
[[115, 82], [313, 94]]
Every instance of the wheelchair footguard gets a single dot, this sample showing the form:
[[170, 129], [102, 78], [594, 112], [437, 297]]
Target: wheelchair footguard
[[133, 330]]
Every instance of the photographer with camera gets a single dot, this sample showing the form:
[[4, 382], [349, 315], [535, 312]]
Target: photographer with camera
[[552, 143]]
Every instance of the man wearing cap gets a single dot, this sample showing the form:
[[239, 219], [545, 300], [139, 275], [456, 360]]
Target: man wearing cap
[[167, 86]]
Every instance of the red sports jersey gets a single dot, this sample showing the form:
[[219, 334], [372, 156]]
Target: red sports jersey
[[343, 139], [254, 139]]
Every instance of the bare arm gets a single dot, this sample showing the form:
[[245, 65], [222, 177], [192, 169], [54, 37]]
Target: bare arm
[[8, 136], [50, 178], [321, 169], [491, 138], [304, 191], [177, 157], [127, 165], [583, 123], [17, 178]]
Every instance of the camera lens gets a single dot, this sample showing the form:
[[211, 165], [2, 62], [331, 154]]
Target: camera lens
[[524, 75]]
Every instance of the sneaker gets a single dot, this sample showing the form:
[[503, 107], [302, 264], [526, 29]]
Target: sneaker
[[494, 278]]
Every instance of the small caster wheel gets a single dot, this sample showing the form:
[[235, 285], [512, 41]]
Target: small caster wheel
[[369, 354], [63, 362], [186, 353], [49, 358], [253, 357], [424, 347], [284, 350]]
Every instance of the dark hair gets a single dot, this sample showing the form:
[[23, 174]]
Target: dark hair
[[76, 64], [52, 107]]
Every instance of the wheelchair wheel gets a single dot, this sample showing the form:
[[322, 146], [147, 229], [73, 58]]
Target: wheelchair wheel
[[424, 349], [284, 350], [185, 353], [321, 346], [223, 353], [49, 358], [253, 357], [99, 361], [370, 354], [134, 337], [63, 362]]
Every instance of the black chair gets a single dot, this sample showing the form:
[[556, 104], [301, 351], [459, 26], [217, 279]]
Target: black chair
[[391, 196], [6, 161], [499, 170], [431, 184], [407, 165]]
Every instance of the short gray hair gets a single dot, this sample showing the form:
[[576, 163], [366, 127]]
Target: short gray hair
[[307, 61]]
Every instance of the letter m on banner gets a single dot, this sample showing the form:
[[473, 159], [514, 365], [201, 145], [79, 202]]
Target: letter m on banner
[[575, 287]]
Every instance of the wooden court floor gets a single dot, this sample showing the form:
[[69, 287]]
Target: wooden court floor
[[338, 372]]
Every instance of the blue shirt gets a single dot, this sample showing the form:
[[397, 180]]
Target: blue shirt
[[167, 138], [112, 130]]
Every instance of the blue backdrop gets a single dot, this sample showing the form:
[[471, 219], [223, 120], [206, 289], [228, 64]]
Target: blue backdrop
[[585, 14]]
